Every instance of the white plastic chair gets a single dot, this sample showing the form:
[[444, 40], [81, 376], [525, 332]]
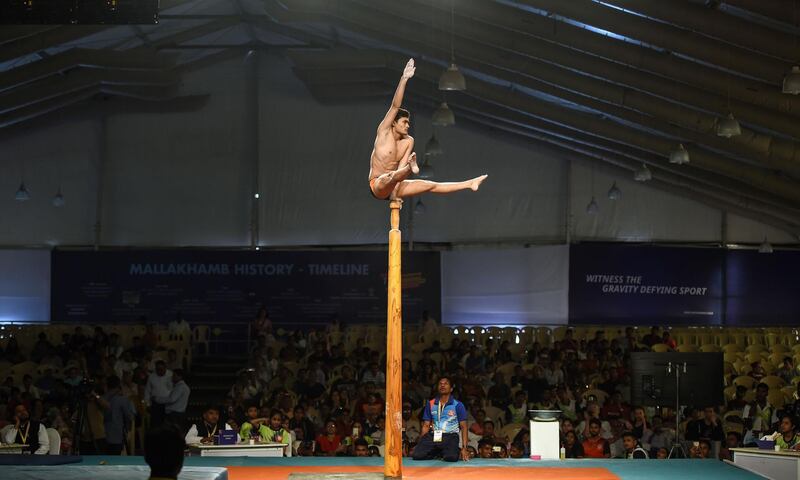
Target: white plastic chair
[[55, 441]]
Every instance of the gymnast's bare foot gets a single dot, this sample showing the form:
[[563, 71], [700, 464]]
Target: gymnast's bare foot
[[476, 182], [412, 160]]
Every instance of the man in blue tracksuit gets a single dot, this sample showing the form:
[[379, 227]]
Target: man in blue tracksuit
[[444, 428]]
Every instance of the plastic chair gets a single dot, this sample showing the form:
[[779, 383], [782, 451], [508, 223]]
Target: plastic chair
[[511, 430], [55, 441], [660, 348], [745, 381], [687, 348], [777, 399], [773, 382], [709, 348]]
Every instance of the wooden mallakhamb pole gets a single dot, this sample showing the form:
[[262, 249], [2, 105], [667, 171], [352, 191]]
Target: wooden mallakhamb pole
[[393, 453]]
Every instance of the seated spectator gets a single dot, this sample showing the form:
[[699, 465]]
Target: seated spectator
[[633, 449], [485, 448], [163, 451], [652, 338], [500, 450], [640, 427], [788, 439], [517, 450], [709, 427], [358, 434], [662, 453], [787, 371], [499, 393], [28, 432], [615, 408], [700, 449], [328, 442], [411, 426], [253, 426], [361, 448], [565, 401], [303, 428], [738, 402], [667, 340], [29, 388], [379, 433], [757, 371], [204, 431], [759, 415], [662, 436], [13, 354], [573, 448], [592, 411], [477, 420], [488, 431], [517, 412], [347, 382], [595, 446], [41, 348], [374, 375], [732, 440], [274, 432]]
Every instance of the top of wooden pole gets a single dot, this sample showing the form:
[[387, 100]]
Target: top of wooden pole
[[395, 206]]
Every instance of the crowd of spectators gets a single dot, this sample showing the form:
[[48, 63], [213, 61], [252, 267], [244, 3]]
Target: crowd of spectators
[[91, 388], [330, 396], [323, 396]]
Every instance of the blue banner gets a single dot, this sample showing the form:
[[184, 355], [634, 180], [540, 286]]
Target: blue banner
[[639, 285], [297, 287], [763, 289]]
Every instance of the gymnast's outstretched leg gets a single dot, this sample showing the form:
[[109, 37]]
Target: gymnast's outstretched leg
[[409, 188]]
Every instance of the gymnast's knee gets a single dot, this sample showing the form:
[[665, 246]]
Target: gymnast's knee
[[450, 458]]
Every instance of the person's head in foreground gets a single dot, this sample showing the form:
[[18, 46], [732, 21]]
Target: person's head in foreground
[[485, 449], [517, 450], [361, 448], [163, 451]]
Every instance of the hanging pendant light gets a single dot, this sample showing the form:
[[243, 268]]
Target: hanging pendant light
[[643, 174], [765, 246], [58, 199], [679, 156], [614, 193], [443, 116], [592, 208], [22, 194], [452, 79], [419, 208], [728, 127], [791, 82], [432, 147]]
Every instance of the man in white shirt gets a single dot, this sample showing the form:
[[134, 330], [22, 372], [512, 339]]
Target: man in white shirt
[[179, 328], [204, 431], [374, 375], [27, 386], [177, 400], [157, 390], [28, 432]]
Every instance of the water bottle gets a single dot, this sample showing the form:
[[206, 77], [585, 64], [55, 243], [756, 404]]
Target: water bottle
[[562, 453]]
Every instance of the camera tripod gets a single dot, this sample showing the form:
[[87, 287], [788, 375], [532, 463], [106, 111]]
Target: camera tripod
[[677, 450]]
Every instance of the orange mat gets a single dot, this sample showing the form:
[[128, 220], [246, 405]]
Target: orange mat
[[431, 473]]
